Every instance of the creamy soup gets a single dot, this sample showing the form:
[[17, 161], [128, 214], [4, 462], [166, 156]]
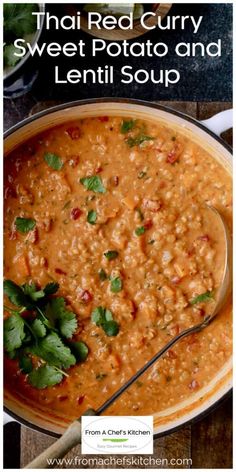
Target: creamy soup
[[120, 222]]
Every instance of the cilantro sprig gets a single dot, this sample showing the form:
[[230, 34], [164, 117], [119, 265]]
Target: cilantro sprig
[[41, 325]]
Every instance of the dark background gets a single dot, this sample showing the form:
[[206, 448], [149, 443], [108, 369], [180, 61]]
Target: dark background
[[202, 78]]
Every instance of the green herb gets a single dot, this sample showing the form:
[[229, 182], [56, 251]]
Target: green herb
[[10, 59], [100, 315], [102, 275], [111, 328], [14, 293], [203, 297], [80, 350], [101, 376], [51, 288], [140, 214], [41, 333], [60, 317], [127, 125], [116, 284], [27, 295], [92, 217], [24, 225], [38, 328], [18, 19], [142, 174], [31, 291], [45, 376], [52, 350], [93, 183], [13, 332], [138, 140], [67, 205], [104, 318], [53, 161], [140, 230], [25, 364], [110, 255]]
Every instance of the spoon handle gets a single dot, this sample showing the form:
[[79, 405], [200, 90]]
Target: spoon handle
[[70, 439]]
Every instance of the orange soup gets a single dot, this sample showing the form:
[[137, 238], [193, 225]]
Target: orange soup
[[113, 211]]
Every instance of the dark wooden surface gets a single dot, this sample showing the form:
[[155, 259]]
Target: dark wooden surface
[[208, 442]]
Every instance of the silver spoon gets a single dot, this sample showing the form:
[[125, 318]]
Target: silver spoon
[[72, 435]]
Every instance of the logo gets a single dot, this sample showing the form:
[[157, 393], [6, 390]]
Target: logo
[[117, 435]]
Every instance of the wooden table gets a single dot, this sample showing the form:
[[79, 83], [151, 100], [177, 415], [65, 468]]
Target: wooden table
[[207, 443]]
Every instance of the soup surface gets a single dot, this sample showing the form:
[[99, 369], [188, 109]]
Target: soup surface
[[120, 223]]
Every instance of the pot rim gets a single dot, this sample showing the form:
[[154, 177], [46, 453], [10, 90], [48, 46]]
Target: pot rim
[[156, 106], [192, 421], [133, 101]]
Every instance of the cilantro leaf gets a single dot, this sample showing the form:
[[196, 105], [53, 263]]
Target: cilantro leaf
[[25, 364], [92, 217], [10, 59], [108, 315], [38, 328], [111, 328], [116, 284], [53, 161], [140, 230], [53, 350], [24, 225], [98, 315], [14, 293], [102, 275], [45, 376], [67, 324], [80, 350], [203, 297], [138, 140], [65, 319], [110, 255], [31, 291], [93, 183], [18, 19], [127, 125], [51, 288], [13, 332], [104, 318]]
